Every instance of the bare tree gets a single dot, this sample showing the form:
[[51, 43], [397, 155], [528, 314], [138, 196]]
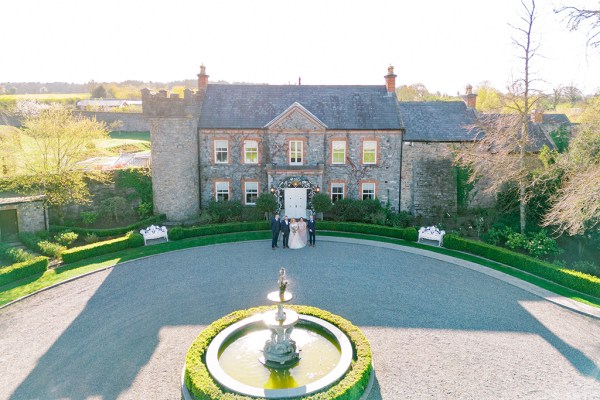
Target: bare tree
[[500, 151], [577, 16]]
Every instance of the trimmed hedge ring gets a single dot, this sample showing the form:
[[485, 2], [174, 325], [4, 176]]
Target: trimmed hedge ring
[[352, 386]]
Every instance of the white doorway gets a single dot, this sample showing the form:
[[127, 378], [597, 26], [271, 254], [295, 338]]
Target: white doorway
[[295, 202]]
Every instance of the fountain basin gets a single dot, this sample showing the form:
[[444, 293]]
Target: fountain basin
[[350, 377]]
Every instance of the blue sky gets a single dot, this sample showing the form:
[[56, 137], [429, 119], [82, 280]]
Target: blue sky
[[442, 44]]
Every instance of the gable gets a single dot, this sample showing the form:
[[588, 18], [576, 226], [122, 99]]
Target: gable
[[296, 118]]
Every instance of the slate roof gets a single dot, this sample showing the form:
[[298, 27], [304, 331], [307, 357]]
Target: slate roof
[[338, 107], [437, 121]]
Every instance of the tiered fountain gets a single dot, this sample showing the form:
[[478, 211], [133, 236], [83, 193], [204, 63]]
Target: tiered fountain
[[278, 353]]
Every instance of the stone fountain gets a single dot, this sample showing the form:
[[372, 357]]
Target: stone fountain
[[280, 350], [259, 355]]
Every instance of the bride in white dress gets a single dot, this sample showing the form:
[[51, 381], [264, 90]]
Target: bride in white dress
[[297, 241]]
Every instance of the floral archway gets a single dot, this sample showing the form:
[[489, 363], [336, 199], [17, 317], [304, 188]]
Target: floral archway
[[295, 182]]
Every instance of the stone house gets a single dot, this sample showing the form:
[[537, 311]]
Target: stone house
[[233, 142]]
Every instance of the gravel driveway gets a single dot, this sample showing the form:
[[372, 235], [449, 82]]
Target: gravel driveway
[[437, 329]]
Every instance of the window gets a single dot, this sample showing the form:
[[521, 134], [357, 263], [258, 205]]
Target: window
[[338, 152], [296, 152], [250, 152], [337, 191], [368, 191], [370, 152], [221, 152], [221, 191], [251, 193]]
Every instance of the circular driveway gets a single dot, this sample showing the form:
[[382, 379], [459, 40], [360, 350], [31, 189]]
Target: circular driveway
[[436, 328]]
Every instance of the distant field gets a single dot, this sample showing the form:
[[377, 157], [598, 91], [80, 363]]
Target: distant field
[[44, 96]]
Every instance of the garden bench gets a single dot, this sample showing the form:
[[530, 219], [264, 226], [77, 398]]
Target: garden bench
[[154, 232], [432, 233]]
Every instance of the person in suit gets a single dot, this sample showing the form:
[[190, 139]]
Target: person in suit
[[285, 230], [311, 225], [275, 227]]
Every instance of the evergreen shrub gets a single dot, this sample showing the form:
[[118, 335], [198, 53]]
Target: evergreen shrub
[[102, 233]]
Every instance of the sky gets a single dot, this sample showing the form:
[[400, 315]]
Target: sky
[[443, 44]]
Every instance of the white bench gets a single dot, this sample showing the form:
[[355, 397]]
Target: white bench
[[154, 232], [432, 233]]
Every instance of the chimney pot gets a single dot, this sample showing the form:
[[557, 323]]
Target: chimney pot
[[470, 98], [390, 80], [202, 79]]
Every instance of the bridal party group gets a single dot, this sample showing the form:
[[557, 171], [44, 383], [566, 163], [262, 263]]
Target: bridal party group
[[295, 233]]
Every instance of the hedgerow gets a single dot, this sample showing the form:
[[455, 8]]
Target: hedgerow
[[20, 270], [156, 219], [130, 240], [576, 280]]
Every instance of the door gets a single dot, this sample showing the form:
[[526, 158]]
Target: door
[[9, 227], [295, 202]]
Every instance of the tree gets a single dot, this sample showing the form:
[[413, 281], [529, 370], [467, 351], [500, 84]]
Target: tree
[[576, 17], [501, 152], [10, 146], [266, 203], [99, 92], [489, 99], [57, 141], [575, 207], [321, 203]]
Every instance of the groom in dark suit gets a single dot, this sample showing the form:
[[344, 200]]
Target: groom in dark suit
[[285, 230], [275, 227], [311, 225]]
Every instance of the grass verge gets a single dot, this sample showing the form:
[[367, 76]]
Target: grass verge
[[29, 285]]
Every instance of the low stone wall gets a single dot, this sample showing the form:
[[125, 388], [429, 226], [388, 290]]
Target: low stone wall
[[124, 122], [127, 122]]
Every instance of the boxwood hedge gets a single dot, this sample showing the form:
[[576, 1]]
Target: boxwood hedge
[[108, 246], [409, 234], [576, 280], [201, 385], [156, 219], [37, 265]]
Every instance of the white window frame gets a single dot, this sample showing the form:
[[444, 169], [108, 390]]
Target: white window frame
[[337, 145], [221, 146], [368, 188], [338, 185], [221, 188], [297, 152], [248, 191], [369, 147], [250, 148]]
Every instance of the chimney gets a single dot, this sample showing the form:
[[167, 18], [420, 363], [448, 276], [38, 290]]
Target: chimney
[[390, 80], [470, 98], [537, 116], [202, 79]]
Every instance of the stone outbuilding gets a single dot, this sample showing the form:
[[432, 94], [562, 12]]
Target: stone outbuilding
[[22, 214]]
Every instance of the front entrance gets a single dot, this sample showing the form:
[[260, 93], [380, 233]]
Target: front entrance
[[9, 226], [295, 202]]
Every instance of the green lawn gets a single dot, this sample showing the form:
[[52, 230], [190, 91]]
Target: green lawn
[[29, 285], [143, 136]]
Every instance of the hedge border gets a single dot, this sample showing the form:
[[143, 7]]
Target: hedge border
[[108, 246], [155, 219], [351, 386], [11, 273], [572, 279]]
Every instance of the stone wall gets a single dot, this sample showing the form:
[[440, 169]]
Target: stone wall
[[428, 179], [317, 166], [125, 122]]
